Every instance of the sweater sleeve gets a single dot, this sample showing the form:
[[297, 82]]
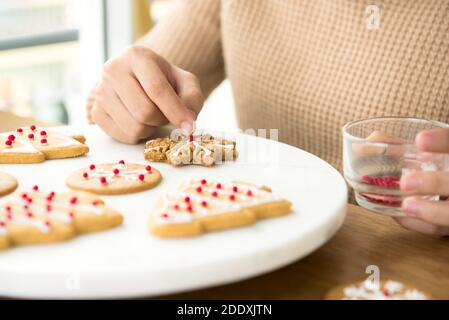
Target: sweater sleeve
[[189, 36]]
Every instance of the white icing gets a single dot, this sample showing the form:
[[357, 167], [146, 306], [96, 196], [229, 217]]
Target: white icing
[[60, 209], [128, 175], [215, 205], [26, 146], [391, 290]]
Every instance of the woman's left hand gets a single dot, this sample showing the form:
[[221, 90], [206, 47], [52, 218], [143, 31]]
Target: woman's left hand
[[426, 216]]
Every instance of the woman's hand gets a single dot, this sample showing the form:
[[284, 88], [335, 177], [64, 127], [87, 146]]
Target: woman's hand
[[431, 217], [140, 91]]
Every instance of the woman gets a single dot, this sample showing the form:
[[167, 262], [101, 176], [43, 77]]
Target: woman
[[303, 67]]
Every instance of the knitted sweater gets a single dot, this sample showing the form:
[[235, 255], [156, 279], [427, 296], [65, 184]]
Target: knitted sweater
[[306, 67]]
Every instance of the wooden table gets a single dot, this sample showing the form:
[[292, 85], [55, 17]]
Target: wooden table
[[365, 239]]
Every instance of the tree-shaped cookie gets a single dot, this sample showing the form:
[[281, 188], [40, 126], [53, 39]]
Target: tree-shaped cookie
[[34, 216], [203, 149], [201, 206], [33, 144]]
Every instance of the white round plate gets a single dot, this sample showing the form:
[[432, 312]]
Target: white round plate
[[130, 262]]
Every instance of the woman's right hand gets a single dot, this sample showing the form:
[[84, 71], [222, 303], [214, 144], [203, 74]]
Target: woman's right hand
[[141, 91]]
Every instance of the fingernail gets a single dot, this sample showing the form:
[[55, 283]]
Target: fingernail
[[411, 182], [410, 207], [187, 127]]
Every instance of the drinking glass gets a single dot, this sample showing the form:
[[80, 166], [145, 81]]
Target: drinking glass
[[378, 151]]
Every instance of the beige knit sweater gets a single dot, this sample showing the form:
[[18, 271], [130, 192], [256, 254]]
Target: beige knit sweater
[[306, 67]]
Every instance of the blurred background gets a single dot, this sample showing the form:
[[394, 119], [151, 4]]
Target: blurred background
[[52, 53]]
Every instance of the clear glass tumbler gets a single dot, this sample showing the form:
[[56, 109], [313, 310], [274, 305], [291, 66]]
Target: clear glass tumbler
[[378, 151]]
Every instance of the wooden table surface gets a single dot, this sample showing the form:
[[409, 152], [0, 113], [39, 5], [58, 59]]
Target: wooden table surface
[[365, 239]]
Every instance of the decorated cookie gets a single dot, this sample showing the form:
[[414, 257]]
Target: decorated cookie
[[34, 216], [114, 178], [33, 144], [202, 206], [385, 290], [203, 149], [7, 183]]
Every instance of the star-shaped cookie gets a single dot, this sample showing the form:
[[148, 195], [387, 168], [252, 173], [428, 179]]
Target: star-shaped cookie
[[203, 149]]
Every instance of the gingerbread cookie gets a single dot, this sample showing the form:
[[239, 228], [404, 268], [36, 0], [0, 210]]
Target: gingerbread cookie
[[385, 290], [203, 149], [201, 206], [114, 178], [7, 183], [34, 217], [33, 145]]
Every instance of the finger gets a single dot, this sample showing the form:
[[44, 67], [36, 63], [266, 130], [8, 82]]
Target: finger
[[188, 89], [160, 91], [425, 183], [435, 140], [422, 226], [105, 122], [109, 101], [434, 212], [134, 98], [383, 143]]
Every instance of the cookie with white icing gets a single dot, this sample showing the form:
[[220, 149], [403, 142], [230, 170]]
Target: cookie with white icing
[[7, 184], [384, 290], [34, 144], [201, 206], [34, 217], [202, 149], [115, 178]]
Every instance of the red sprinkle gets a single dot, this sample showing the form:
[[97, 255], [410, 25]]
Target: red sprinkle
[[73, 200], [103, 180], [148, 168], [36, 188], [116, 171], [232, 197], [121, 162], [29, 215], [386, 293], [187, 199], [48, 207], [191, 138], [33, 127], [199, 189], [31, 136], [92, 167], [204, 203], [85, 175], [189, 208], [141, 177], [218, 186], [203, 181], [214, 194], [44, 141], [249, 193], [24, 195], [8, 143], [176, 207], [165, 215], [11, 137], [43, 133], [19, 130], [8, 208], [235, 189], [47, 223]]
